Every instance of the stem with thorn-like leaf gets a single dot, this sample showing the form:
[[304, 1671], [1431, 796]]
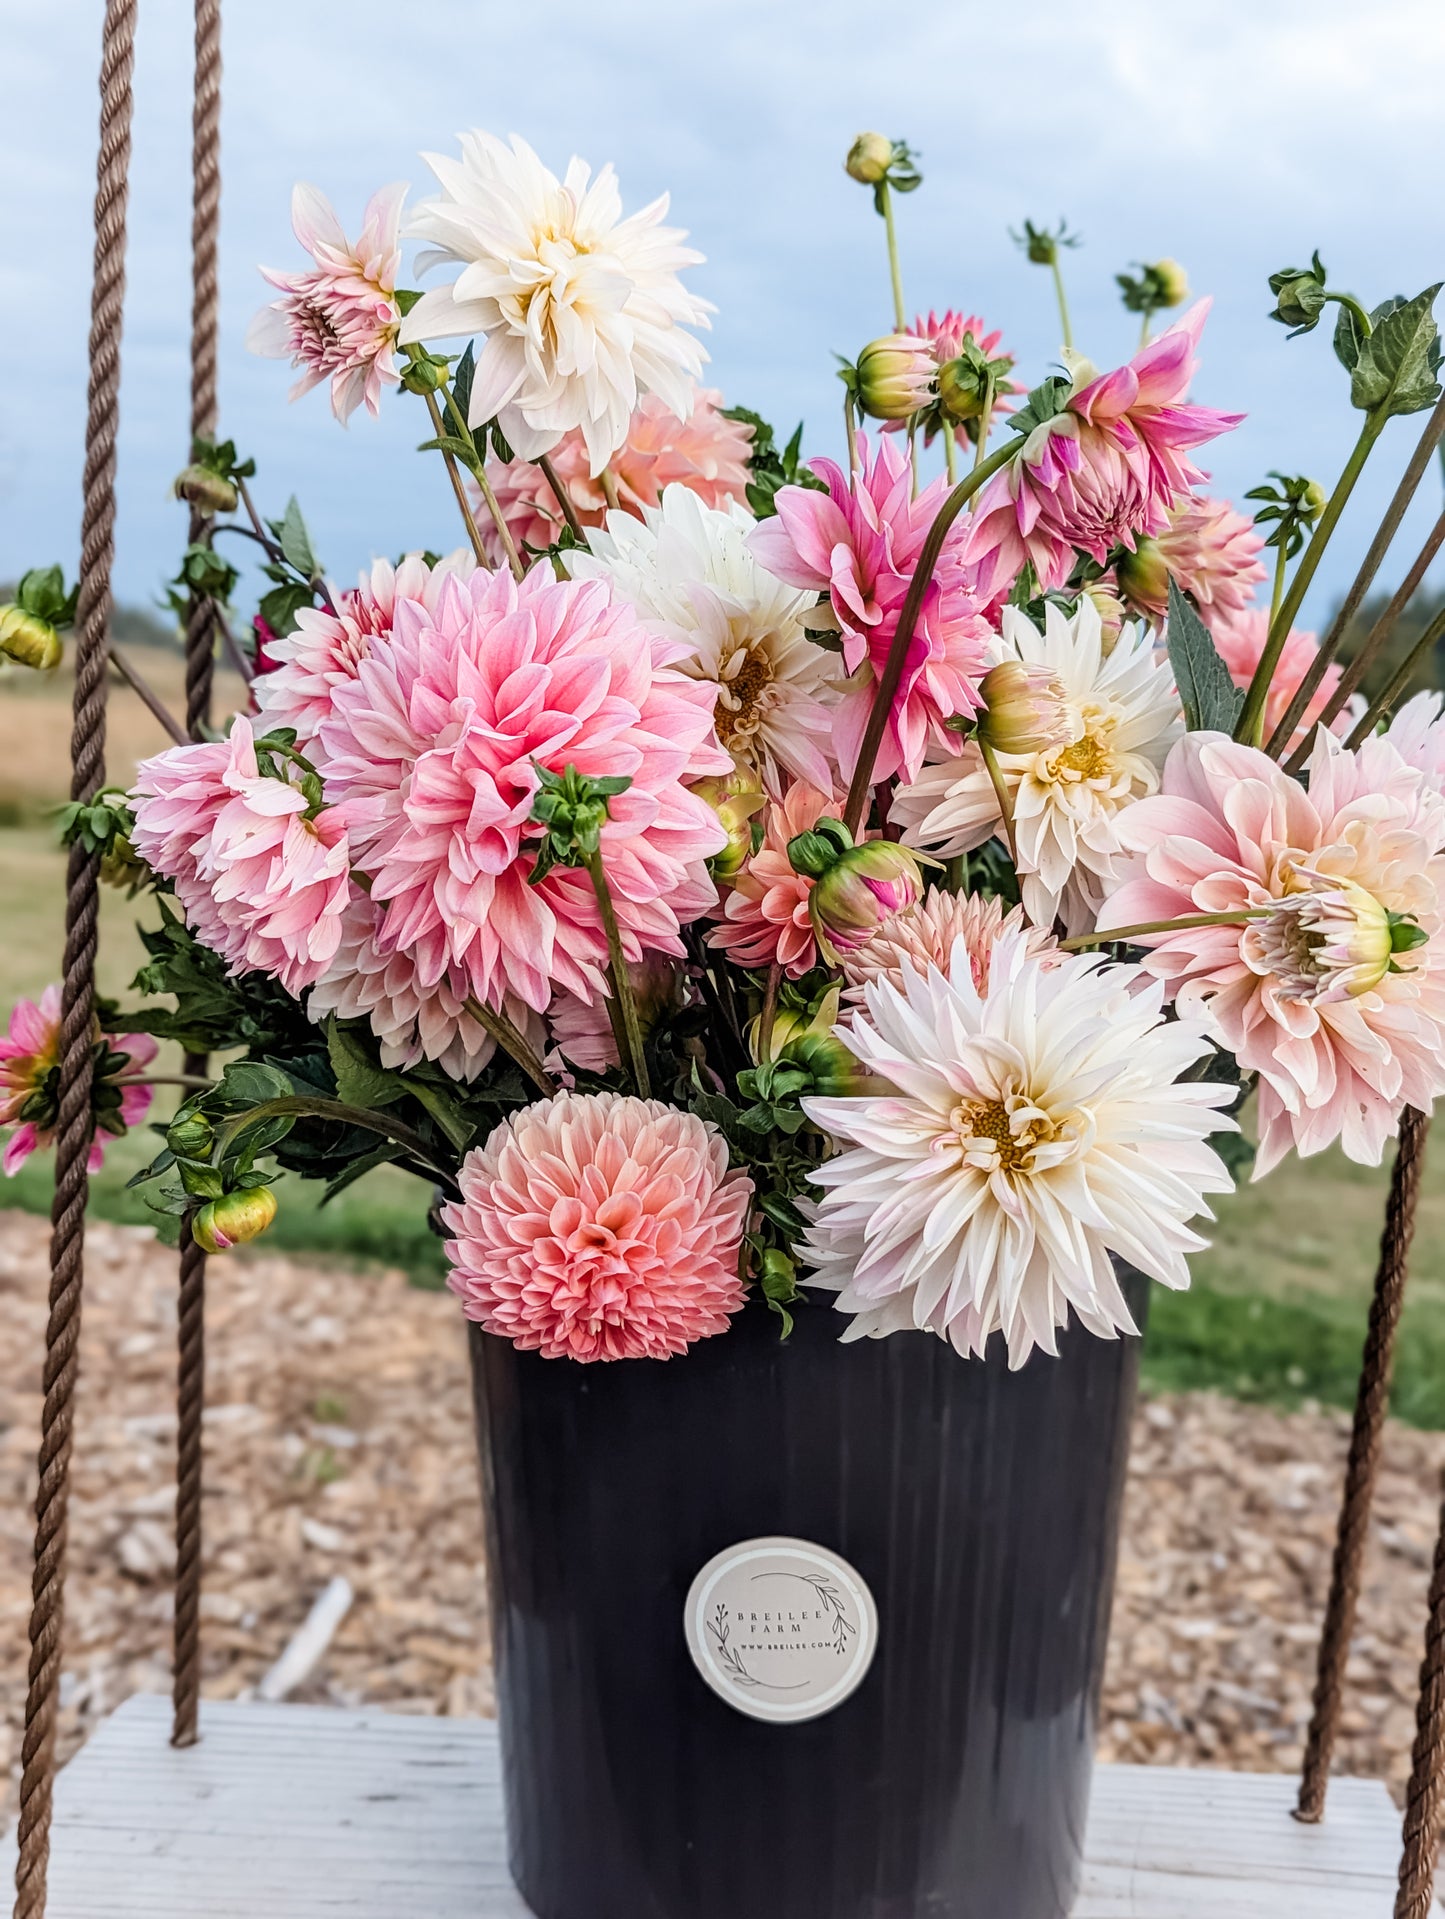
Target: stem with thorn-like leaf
[[620, 979], [478, 469]]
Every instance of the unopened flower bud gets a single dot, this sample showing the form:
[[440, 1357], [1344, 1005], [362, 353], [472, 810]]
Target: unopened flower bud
[[232, 1220], [1299, 295], [862, 887], [1313, 500], [1143, 577], [1026, 709], [1171, 282], [836, 1073], [894, 376], [869, 158], [29, 640], [735, 797], [190, 1136], [203, 487], [121, 865], [1111, 611], [962, 390]]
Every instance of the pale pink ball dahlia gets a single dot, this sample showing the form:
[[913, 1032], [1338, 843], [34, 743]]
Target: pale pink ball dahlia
[[1103, 471], [304, 669], [600, 1227], [765, 918], [30, 1082], [412, 1022], [338, 320], [1305, 989], [1209, 549], [262, 875], [860, 544], [928, 933], [431, 753], [706, 453], [1239, 640]]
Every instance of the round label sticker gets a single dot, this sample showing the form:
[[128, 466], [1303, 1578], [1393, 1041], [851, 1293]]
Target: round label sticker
[[781, 1629]]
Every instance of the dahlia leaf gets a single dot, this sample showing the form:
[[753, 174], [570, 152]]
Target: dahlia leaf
[[359, 1080], [444, 1110], [1210, 699], [294, 540], [1397, 364]]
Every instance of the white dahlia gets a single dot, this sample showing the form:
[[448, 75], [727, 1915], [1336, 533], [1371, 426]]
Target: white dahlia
[[1066, 799], [688, 566], [1036, 1127], [582, 311]]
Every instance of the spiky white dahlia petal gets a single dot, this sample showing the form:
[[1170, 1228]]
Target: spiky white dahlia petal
[[1035, 1127]]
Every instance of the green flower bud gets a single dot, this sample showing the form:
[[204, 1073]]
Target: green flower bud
[[121, 865], [735, 797], [191, 1136], [234, 1219], [869, 158], [29, 640], [1143, 577], [862, 887], [1299, 295], [203, 487], [836, 1072], [1111, 611], [1026, 709], [1171, 282], [894, 376]]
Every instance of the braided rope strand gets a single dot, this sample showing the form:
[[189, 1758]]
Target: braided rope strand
[[200, 672], [1416, 1896], [76, 1124], [1372, 1402]]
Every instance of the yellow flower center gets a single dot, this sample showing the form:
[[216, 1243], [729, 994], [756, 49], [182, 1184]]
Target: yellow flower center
[[740, 693], [989, 1119], [1088, 758]]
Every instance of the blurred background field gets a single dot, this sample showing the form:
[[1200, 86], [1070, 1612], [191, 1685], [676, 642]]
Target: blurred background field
[[1277, 1309]]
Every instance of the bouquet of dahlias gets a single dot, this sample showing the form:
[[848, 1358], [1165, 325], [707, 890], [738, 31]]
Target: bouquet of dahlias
[[885, 875]]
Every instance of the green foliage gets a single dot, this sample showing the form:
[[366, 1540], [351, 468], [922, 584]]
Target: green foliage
[[294, 540], [213, 1013], [1299, 296], [770, 467], [1043, 404], [42, 594], [1395, 367], [1209, 696], [1041, 244], [573, 809], [1292, 507]]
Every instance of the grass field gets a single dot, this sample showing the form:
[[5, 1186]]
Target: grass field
[[1277, 1309]]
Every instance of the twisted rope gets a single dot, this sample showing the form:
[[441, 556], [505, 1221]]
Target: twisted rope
[[76, 1124], [1415, 1898], [1372, 1401], [200, 671]]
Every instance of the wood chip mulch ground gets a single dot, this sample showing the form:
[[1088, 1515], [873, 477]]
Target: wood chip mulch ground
[[339, 1442]]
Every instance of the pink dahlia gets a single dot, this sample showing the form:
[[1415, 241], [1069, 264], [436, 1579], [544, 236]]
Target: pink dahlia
[[1212, 551], [600, 1227], [412, 1022], [707, 454], [1417, 733], [1305, 990], [583, 1035], [1240, 640], [1103, 471], [927, 934], [338, 320], [860, 544], [765, 918], [946, 333], [30, 1082], [305, 668], [431, 752], [261, 873]]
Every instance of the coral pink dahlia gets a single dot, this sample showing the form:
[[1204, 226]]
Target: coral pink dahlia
[[338, 320], [1103, 471], [30, 1082], [860, 544], [706, 453], [1239, 639], [765, 914], [1304, 990], [432, 754], [600, 1227]]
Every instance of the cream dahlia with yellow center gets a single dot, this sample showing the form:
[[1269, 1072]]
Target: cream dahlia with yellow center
[[689, 567], [1033, 1127], [1123, 715]]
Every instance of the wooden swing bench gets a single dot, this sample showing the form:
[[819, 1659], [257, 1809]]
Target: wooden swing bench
[[252, 1811]]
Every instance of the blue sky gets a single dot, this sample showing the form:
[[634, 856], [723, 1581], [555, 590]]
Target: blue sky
[[1235, 136]]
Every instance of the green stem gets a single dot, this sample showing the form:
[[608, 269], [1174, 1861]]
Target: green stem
[[609, 489], [1144, 329], [950, 452], [333, 1109], [464, 505], [885, 199], [479, 474], [767, 1019], [1362, 318], [1250, 726], [511, 1042], [913, 455], [1379, 707], [562, 497], [1281, 567], [1063, 302], [1001, 792], [850, 428], [193, 1082], [1082, 941], [621, 981], [886, 691], [985, 423]]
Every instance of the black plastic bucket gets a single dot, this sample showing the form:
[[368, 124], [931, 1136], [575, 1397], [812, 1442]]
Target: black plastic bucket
[[981, 1508]]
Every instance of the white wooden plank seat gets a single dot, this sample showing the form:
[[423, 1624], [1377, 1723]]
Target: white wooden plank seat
[[289, 1812]]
